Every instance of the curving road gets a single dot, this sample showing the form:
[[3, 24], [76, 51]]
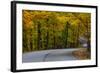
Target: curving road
[[49, 55]]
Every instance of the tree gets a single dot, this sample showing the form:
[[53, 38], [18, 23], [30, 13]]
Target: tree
[[44, 30]]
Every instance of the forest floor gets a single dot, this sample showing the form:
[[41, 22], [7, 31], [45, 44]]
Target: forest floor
[[50, 55], [81, 54]]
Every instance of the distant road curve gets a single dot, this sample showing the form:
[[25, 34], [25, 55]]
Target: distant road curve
[[49, 55]]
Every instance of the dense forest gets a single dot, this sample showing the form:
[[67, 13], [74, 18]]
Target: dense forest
[[43, 30]]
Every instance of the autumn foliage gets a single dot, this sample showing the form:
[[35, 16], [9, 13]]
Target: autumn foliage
[[54, 30]]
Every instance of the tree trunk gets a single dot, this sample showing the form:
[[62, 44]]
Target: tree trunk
[[47, 39], [39, 37]]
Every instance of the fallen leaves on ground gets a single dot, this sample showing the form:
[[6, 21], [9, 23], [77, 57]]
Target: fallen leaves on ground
[[81, 54]]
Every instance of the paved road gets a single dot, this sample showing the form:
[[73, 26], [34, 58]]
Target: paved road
[[49, 55]]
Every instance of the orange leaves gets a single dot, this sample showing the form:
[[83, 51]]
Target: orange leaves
[[27, 19]]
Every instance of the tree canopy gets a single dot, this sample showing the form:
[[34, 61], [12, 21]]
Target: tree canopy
[[53, 30]]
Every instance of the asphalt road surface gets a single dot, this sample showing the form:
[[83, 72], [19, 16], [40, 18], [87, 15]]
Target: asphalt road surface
[[49, 55]]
